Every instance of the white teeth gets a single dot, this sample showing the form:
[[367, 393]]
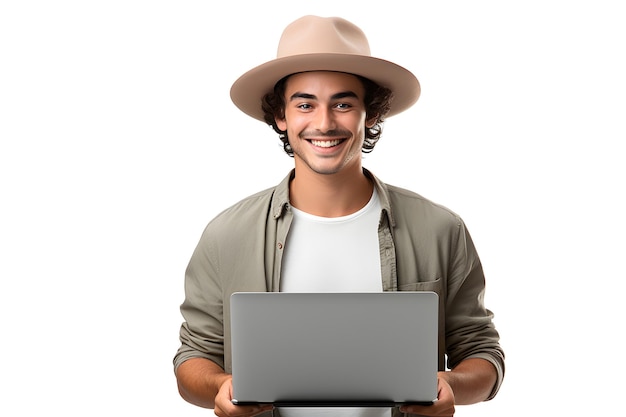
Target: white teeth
[[325, 143]]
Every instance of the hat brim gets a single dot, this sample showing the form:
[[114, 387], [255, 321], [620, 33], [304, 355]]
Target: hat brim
[[248, 90]]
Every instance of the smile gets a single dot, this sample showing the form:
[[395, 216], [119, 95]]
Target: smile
[[326, 143]]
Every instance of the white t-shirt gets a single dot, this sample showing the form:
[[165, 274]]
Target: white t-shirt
[[338, 254], [333, 254]]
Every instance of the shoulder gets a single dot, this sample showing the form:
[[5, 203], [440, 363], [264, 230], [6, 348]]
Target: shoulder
[[406, 203], [245, 212], [256, 208], [406, 206], [243, 223]]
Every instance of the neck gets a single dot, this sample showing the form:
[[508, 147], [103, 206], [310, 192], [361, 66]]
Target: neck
[[332, 195]]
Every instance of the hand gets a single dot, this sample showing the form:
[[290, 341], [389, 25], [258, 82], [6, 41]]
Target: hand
[[443, 407], [225, 408]]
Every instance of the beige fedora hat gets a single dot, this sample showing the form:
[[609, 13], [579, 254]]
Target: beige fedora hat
[[314, 43]]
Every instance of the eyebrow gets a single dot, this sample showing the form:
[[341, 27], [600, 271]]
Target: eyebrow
[[337, 96]]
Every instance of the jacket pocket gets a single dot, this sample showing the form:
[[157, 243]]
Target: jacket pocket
[[434, 286]]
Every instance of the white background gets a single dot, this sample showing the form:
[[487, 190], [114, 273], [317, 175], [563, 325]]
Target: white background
[[119, 143]]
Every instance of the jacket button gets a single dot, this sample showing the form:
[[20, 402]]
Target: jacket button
[[280, 245]]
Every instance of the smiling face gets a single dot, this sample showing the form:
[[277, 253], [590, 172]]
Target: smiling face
[[325, 121]]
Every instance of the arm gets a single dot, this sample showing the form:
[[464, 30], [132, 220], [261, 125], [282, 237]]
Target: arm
[[471, 381], [204, 383], [199, 381], [472, 342]]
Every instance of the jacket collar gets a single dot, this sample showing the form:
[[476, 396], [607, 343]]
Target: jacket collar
[[280, 200]]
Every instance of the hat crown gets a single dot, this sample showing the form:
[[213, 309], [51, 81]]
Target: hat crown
[[314, 43], [313, 35]]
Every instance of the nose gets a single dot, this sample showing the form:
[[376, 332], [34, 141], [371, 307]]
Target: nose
[[324, 120]]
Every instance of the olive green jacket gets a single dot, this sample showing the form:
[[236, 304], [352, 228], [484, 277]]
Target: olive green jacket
[[423, 246]]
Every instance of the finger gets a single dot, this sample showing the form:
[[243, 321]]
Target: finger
[[231, 410]]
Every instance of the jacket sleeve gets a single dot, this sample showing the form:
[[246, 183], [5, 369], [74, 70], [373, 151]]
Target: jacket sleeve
[[202, 331], [470, 332]]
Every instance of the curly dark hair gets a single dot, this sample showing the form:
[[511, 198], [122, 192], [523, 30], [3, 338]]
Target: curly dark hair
[[377, 103]]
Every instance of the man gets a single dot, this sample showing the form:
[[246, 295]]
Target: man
[[327, 98]]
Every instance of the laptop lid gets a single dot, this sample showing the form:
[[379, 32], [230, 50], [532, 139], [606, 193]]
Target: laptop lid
[[334, 349]]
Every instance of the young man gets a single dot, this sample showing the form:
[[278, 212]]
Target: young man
[[327, 98]]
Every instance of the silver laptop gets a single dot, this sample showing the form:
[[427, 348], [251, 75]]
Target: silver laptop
[[334, 349]]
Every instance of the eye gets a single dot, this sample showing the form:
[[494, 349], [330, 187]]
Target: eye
[[343, 106], [304, 106]]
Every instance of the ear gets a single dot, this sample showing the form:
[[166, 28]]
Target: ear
[[371, 122], [281, 123]]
